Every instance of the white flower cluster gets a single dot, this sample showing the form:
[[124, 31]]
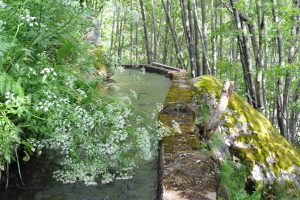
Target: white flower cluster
[[70, 81], [45, 105], [159, 108], [46, 72], [27, 18], [49, 102], [114, 136], [82, 94], [2, 4], [86, 121], [14, 100], [145, 143]]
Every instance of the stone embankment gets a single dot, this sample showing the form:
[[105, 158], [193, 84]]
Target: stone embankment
[[184, 172]]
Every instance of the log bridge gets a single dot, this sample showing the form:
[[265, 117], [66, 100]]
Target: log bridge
[[184, 173]]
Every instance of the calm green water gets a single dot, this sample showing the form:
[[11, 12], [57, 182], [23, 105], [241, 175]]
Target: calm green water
[[37, 173]]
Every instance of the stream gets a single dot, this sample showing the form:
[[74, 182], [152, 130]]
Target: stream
[[37, 173]]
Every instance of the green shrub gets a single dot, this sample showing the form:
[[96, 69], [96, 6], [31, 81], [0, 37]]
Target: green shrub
[[49, 98]]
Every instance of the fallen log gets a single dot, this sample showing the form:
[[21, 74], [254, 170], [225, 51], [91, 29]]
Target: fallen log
[[218, 113]]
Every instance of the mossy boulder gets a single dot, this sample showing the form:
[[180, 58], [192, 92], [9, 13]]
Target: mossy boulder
[[250, 137]]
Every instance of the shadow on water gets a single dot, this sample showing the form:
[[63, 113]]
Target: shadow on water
[[37, 173]]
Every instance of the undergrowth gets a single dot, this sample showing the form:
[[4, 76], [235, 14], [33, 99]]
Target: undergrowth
[[49, 97]]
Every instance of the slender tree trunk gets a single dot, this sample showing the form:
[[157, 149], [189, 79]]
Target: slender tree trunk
[[154, 33], [264, 51], [221, 36], [120, 36], [196, 30], [186, 19], [245, 56], [166, 41], [281, 108], [131, 34], [204, 36], [171, 57], [158, 39], [291, 120], [178, 48], [257, 50], [137, 41], [112, 35], [213, 39], [146, 38]]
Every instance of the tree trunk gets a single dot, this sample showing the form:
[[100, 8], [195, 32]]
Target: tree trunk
[[112, 35], [204, 36], [281, 108], [178, 48], [213, 39], [196, 30], [220, 54], [137, 41], [186, 20], [146, 38], [166, 41], [154, 33], [218, 113], [291, 121], [131, 34], [244, 55]]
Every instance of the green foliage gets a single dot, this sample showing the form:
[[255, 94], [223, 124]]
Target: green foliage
[[7, 84], [49, 97], [233, 178]]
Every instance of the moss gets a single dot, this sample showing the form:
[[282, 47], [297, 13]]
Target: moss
[[179, 95], [264, 138]]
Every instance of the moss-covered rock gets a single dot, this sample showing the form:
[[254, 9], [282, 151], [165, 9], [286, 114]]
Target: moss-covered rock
[[250, 136]]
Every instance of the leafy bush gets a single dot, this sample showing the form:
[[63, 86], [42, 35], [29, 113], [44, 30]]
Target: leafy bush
[[49, 98]]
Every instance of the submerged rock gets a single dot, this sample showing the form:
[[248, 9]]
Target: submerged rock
[[249, 136]]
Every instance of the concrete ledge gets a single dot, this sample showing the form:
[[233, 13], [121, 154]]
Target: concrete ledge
[[184, 173]]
